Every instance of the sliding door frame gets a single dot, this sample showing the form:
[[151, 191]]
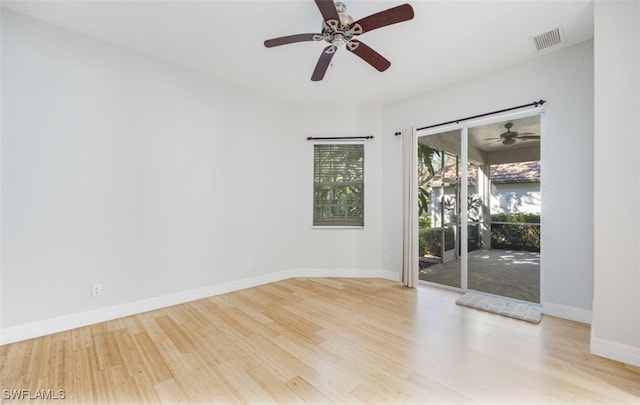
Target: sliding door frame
[[464, 152]]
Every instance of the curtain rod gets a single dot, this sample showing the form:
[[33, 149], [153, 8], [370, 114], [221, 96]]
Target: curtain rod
[[534, 104], [336, 138]]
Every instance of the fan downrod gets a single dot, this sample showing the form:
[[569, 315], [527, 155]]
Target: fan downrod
[[340, 32]]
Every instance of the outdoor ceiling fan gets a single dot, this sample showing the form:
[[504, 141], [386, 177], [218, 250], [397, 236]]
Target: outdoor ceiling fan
[[511, 137], [339, 28]]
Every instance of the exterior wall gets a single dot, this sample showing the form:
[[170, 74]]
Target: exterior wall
[[515, 197]]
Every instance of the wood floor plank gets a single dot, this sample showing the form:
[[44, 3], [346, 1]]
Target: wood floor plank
[[292, 323], [250, 390], [156, 367], [276, 359], [326, 340], [273, 385], [247, 306], [306, 391], [171, 392], [177, 334], [367, 395]]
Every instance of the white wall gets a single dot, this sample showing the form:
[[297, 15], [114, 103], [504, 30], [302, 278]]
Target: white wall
[[1, 310], [616, 314], [346, 249], [154, 181], [565, 79], [515, 197], [116, 171]]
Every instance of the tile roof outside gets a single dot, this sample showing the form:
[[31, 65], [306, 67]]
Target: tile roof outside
[[521, 172]]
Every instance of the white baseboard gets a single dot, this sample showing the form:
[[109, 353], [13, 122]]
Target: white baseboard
[[72, 321], [567, 312], [350, 273], [391, 275], [615, 351]]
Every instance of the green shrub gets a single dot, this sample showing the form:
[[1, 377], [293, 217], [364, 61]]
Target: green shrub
[[430, 240], [424, 222], [516, 217], [516, 236]]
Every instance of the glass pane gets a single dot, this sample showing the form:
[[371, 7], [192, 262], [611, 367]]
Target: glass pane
[[504, 234], [439, 210], [476, 206]]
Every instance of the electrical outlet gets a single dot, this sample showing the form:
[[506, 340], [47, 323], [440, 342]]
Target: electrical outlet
[[96, 289], [385, 257], [250, 263]]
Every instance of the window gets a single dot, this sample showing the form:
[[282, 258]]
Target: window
[[338, 185]]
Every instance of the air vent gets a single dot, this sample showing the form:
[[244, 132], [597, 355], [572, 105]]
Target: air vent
[[548, 40]]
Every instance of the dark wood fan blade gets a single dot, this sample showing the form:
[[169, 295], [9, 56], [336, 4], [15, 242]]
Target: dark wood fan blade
[[322, 65], [370, 56], [328, 10], [289, 39], [529, 137], [393, 15]]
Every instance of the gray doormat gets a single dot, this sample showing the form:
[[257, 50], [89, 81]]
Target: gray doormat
[[502, 306]]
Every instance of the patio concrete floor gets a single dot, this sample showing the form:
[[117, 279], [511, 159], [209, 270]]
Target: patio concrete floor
[[508, 273]]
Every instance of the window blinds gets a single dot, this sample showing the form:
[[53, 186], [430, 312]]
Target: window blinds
[[338, 185]]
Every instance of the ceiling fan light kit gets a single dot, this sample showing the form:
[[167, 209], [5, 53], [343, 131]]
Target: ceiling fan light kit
[[339, 29]]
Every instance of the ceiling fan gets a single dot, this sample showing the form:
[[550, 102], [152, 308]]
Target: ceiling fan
[[510, 137], [339, 28]]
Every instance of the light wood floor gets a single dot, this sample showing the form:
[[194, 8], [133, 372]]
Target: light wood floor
[[321, 340]]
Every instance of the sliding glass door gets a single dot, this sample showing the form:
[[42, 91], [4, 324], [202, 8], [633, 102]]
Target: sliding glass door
[[496, 197], [439, 168]]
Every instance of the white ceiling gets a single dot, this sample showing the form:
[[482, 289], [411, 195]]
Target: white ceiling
[[446, 42]]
